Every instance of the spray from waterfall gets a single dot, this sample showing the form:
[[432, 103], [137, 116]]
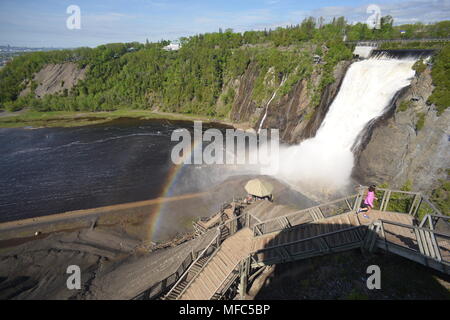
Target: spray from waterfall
[[324, 163]]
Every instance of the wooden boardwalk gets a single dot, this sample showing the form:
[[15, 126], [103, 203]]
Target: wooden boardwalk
[[219, 266], [245, 243], [237, 247], [327, 225]]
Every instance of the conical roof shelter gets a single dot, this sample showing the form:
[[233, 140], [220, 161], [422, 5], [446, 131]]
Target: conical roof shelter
[[259, 188]]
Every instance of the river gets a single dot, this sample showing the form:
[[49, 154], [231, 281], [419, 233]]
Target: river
[[53, 170]]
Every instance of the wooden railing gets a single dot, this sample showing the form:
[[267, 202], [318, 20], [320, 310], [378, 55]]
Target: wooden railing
[[423, 245], [209, 250], [427, 240], [333, 208], [162, 286], [233, 225], [413, 203], [317, 245]]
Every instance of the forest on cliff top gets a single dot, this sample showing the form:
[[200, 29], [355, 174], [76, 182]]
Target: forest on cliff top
[[195, 79]]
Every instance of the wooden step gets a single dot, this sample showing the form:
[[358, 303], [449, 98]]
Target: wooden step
[[224, 258], [221, 270], [211, 276]]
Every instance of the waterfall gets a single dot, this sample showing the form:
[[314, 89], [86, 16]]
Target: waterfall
[[325, 162], [268, 103]]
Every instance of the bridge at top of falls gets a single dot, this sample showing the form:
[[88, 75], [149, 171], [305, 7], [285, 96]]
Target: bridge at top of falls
[[363, 49]]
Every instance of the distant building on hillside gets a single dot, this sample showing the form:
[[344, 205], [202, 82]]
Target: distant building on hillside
[[172, 47]]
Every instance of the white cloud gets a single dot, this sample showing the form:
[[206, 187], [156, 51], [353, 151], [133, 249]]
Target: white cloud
[[164, 19], [402, 12]]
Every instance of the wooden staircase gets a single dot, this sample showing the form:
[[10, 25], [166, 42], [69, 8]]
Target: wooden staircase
[[192, 273], [220, 266], [237, 252]]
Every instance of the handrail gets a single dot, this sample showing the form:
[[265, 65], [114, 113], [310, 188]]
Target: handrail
[[398, 191], [193, 263], [424, 198], [255, 217], [401, 40], [428, 218], [225, 279], [305, 210], [306, 239], [214, 240], [414, 227]]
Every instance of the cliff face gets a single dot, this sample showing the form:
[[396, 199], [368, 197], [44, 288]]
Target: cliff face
[[409, 144], [55, 78], [293, 114]]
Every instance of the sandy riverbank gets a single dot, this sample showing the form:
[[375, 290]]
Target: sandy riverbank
[[34, 119], [122, 214]]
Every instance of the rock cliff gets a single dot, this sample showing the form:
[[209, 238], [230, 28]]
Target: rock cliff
[[293, 114], [410, 144]]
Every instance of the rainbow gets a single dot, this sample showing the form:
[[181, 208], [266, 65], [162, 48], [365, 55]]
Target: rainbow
[[166, 194]]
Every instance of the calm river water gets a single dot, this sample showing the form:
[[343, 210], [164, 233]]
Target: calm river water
[[53, 170]]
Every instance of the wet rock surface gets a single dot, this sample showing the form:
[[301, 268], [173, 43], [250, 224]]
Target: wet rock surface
[[399, 151]]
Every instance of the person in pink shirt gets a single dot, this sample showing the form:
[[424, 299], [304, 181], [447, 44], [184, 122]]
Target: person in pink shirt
[[368, 201]]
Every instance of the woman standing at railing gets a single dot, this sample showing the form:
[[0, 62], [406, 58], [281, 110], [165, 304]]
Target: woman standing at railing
[[368, 201]]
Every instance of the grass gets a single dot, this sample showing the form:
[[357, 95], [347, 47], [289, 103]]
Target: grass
[[73, 119], [420, 122], [404, 105]]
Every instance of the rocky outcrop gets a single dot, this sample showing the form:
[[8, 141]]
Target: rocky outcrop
[[55, 78], [293, 114], [400, 149], [307, 129]]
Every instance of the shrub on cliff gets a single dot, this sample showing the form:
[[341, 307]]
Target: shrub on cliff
[[441, 196], [441, 80], [420, 121]]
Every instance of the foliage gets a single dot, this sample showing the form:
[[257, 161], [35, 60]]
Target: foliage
[[418, 30], [420, 121], [441, 196], [401, 202], [419, 66], [441, 80], [404, 105], [194, 78]]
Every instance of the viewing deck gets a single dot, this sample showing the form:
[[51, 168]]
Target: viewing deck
[[245, 244]]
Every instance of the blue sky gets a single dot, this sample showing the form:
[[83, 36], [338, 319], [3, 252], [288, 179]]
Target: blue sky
[[37, 23]]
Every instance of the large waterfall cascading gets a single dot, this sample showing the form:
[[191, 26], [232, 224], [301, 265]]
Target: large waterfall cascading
[[325, 162]]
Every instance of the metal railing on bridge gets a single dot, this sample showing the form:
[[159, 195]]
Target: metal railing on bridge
[[376, 42]]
